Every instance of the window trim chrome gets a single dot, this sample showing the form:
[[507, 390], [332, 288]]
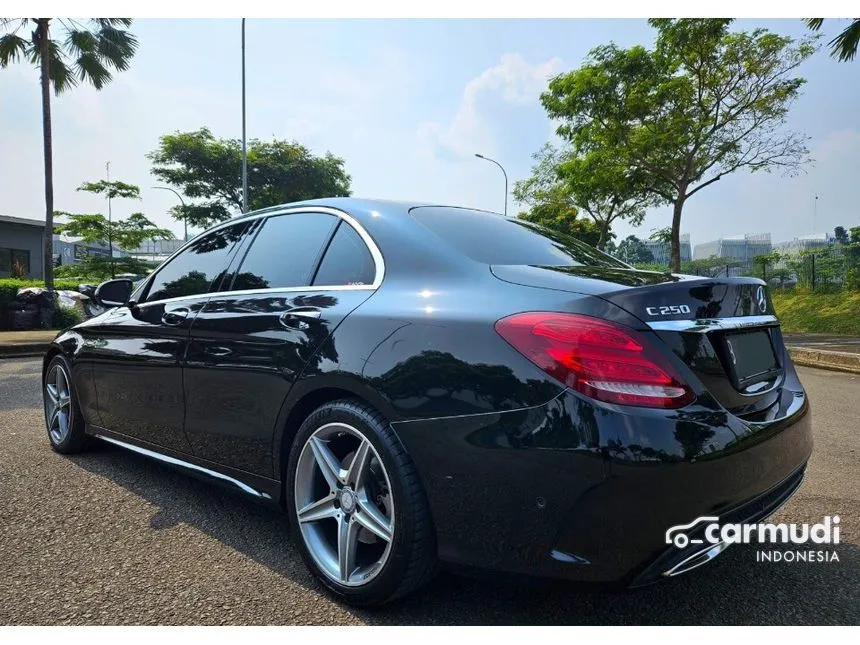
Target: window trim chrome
[[705, 325], [370, 243]]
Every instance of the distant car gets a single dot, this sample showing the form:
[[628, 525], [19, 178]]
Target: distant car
[[419, 384]]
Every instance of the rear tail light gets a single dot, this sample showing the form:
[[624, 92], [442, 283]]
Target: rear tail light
[[606, 361]]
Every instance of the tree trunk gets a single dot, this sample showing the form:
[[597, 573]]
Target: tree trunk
[[45, 62], [604, 233], [675, 260]]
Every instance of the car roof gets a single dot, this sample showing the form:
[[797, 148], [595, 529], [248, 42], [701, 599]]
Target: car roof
[[355, 205]]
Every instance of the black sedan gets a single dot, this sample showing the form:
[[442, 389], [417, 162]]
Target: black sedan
[[421, 385]]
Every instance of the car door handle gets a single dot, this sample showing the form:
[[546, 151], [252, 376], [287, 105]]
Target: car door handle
[[175, 317], [300, 317]]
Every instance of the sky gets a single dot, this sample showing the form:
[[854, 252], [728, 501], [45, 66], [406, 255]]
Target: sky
[[407, 104]]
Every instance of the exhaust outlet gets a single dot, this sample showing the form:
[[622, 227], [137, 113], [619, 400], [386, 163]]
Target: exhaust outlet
[[697, 559]]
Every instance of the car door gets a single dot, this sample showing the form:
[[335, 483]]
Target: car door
[[137, 350], [301, 275]]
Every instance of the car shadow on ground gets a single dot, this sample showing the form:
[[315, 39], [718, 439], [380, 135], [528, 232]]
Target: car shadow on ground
[[734, 589]]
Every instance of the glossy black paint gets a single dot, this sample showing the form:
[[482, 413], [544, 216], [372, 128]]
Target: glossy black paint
[[522, 474], [244, 355]]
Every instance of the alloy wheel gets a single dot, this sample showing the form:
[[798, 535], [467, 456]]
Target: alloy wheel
[[344, 504], [58, 404]]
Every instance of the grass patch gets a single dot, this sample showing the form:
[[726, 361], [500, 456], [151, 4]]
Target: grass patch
[[825, 313]]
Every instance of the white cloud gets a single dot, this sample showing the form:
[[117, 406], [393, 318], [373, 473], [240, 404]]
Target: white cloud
[[513, 80]]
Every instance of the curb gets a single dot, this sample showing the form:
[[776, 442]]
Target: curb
[[828, 360], [24, 350]]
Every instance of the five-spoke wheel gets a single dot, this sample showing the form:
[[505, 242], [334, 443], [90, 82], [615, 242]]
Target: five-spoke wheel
[[358, 506], [62, 416], [343, 504], [58, 403]]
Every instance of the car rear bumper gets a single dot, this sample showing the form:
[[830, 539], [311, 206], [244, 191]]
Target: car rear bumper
[[584, 491]]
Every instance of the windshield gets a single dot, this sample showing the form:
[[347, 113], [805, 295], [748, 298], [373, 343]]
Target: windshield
[[496, 239]]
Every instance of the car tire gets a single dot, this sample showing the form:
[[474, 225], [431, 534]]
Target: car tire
[[408, 559], [63, 418]]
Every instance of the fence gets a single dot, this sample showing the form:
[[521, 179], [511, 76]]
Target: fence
[[826, 270]]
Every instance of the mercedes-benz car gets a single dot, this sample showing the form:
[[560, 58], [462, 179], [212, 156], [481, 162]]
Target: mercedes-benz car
[[422, 385]]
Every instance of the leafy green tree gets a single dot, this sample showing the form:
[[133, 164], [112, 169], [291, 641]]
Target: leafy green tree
[[633, 251], [840, 234], [544, 186], [707, 266], [844, 46], [128, 233], [594, 184], [606, 190], [703, 103], [97, 268], [209, 169], [765, 260], [563, 218], [84, 53], [111, 190], [662, 235]]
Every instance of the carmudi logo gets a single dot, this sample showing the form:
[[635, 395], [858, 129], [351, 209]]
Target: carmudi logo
[[708, 530]]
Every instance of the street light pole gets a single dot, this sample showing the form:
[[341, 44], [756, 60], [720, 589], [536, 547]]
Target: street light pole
[[814, 212], [244, 145], [182, 201], [480, 156], [110, 221]]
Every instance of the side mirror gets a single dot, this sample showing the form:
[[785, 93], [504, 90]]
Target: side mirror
[[114, 293]]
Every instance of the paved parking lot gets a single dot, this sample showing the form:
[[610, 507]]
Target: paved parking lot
[[109, 537]]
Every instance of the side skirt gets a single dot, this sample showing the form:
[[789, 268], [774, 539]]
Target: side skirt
[[256, 486]]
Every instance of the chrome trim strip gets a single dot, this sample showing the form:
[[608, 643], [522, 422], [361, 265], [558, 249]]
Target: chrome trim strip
[[704, 325], [250, 292], [697, 559], [184, 464], [375, 253]]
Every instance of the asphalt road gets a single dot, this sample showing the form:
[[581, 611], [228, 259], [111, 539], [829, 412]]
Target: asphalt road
[[110, 537]]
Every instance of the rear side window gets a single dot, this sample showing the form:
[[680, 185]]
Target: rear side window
[[347, 260], [285, 251], [495, 239]]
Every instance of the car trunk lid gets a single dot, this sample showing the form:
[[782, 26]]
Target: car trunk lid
[[722, 329]]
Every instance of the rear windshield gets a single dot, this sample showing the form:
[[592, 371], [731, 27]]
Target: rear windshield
[[495, 239]]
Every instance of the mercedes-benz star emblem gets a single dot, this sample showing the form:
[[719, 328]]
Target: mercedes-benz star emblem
[[761, 300], [347, 500]]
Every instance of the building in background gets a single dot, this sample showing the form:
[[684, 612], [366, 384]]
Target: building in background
[[742, 248], [805, 243], [69, 250], [663, 250], [21, 247]]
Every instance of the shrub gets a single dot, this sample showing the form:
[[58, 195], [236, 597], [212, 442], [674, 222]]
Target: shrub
[[65, 317], [9, 289]]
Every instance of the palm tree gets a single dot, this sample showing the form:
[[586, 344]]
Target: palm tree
[[844, 46], [86, 53]]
